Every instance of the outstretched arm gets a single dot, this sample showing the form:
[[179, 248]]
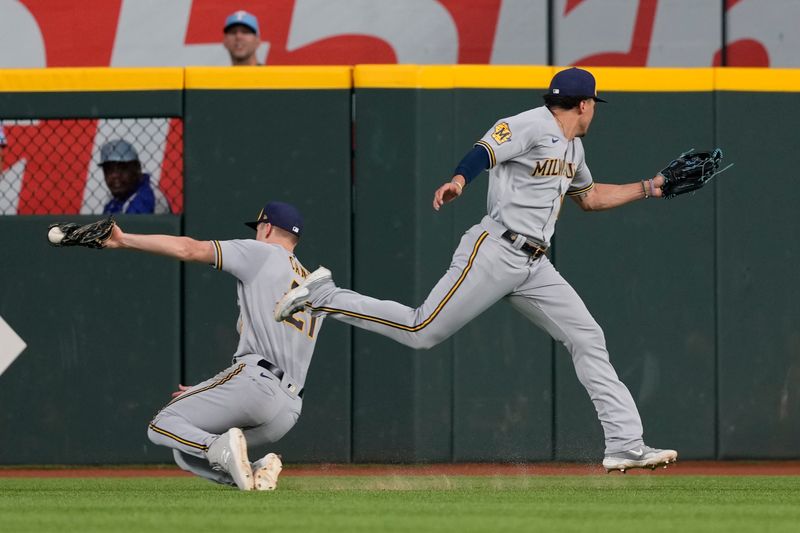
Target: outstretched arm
[[608, 196], [182, 248]]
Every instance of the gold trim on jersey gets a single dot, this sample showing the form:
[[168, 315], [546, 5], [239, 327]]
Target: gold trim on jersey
[[177, 438], [436, 311], [581, 191], [488, 147], [218, 259], [217, 383]]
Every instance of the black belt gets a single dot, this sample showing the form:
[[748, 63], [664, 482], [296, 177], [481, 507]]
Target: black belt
[[275, 371], [530, 247]]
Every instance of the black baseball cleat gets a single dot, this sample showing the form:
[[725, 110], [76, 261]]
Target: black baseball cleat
[[295, 300], [641, 457]]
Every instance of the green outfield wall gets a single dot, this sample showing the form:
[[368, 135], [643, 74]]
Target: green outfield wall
[[696, 295]]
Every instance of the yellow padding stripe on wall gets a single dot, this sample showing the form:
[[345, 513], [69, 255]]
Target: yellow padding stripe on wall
[[452, 76], [757, 79], [609, 79], [91, 79], [168, 78], [269, 77], [528, 77], [537, 78], [652, 79]]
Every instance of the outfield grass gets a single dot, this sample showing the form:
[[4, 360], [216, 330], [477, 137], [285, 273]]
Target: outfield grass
[[616, 504]]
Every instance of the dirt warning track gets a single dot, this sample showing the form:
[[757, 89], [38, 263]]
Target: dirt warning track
[[685, 468]]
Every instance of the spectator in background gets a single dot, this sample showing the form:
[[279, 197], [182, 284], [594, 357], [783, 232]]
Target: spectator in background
[[130, 188], [241, 38], [3, 144]]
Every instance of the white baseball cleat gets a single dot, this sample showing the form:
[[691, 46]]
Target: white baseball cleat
[[266, 471], [295, 299], [641, 457], [229, 454]]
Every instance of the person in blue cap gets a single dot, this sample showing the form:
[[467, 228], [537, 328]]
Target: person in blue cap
[[535, 160], [241, 38], [258, 399], [131, 190]]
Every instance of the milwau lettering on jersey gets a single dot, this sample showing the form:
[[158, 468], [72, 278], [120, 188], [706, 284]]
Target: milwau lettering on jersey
[[554, 167]]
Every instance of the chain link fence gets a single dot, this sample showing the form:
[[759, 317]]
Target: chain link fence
[[54, 166]]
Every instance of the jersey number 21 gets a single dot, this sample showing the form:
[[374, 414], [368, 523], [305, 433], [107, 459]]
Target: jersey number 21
[[300, 323]]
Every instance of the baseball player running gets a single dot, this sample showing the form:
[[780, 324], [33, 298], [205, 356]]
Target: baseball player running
[[259, 398], [535, 159]]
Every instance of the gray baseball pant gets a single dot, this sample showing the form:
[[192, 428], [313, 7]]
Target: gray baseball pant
[[244, 396], [484, 269]]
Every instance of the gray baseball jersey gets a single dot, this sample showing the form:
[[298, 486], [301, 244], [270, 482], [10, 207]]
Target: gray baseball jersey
[[246, 395], [265, 272], [533, 168]]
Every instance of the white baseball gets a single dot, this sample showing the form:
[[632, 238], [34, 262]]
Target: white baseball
[[55, 235]]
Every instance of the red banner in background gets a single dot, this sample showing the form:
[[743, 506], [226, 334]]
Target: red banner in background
[[172, 166], [592, 32], [77, 33], [55, 171]]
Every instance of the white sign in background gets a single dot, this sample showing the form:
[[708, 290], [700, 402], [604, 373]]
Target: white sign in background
[[11, 345]]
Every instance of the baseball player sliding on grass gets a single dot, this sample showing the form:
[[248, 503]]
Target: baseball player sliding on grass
[[535, 159], [262, 391]]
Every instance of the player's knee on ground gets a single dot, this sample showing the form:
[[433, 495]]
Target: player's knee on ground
[[181, 460]]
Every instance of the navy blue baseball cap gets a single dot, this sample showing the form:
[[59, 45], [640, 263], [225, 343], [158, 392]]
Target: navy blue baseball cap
[[574, 82], [282, 215], [242, 18]]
